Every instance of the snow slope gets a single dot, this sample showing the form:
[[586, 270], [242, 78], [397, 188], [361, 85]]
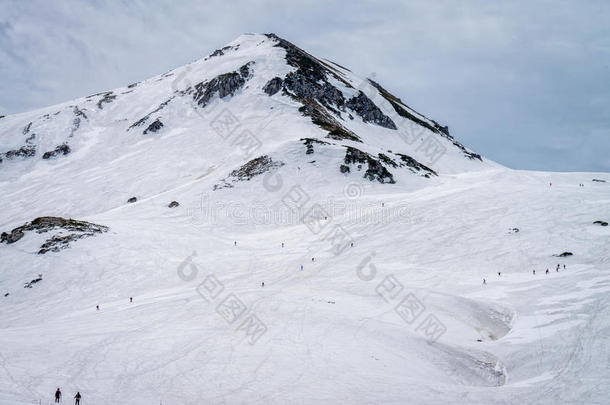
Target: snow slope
[[401, 316]]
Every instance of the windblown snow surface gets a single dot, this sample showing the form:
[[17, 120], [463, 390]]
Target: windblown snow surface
[[402, 316]]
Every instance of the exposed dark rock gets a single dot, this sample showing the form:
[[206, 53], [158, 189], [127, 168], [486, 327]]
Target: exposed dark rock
[[374, 171], [599, 180], [326, 121], [34, 281], [309, 85], [23, 152], [12, 237], [174, 204], [27, 128], [564, 254], [369, 112], [132, 85], [154, 127], [108, 98], [304, 87], [513, 230], [415, 165], [59, 150], [309, 144], [132, 200], [386, 160], [273, 86], [2, 116], [254, 167], [77, 229], [225, 85], [602, 223], [344, 169], [7, 294], [221, 52]]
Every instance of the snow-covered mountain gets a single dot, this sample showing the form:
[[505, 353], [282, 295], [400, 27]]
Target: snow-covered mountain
[[371, 227]]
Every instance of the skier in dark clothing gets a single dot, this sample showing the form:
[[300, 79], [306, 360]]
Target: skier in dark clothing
[[97, 307], [499, 274], [57, 395], [484, 281], [77, 399], [547, 271], [534, 271]]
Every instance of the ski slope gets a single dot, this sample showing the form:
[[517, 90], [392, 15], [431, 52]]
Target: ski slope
[[402, 316]]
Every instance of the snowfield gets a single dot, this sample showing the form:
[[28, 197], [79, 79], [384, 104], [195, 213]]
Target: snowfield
[[389, 306]]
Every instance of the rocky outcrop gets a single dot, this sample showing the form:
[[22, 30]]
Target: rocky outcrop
[[59, 150], [68, 230], [364, 107], [132, 200], [309, 144], [224, 85], [599, 180], [310, 86], [154, 127], [602, 223], [375, 170], [273, 86], [174, 204], [107, 98], [25, 151], [413, 164], [253, 168], [31, 283], [564, 254], [147, 116]]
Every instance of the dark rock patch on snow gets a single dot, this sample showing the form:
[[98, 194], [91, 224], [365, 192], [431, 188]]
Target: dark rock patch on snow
[[599, 180], [154, 127], [564, 254], [107, 98], [602, 223], [32, 282], [273, 86], [375, 170], [68, 230], [369, 112], [174, 204], [58, 151], [132, 200], [253, 168], [309, 144], [224, 85]]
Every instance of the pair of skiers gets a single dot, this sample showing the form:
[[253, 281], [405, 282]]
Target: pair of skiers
[[58, 397]]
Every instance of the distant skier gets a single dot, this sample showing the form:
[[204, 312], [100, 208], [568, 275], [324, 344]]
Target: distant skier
[[235, 243], [312, 259], [97, 307], [534, 272], [564, 266], [484, 282], [57, 395], [77, 399], [263, 284], [130, 299], [301, 267], [557, 270], [352, 244], [383, 204], [547, 271], [282, 244], [499, 274]]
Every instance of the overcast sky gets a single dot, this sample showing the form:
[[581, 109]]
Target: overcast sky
[[525, 83]]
